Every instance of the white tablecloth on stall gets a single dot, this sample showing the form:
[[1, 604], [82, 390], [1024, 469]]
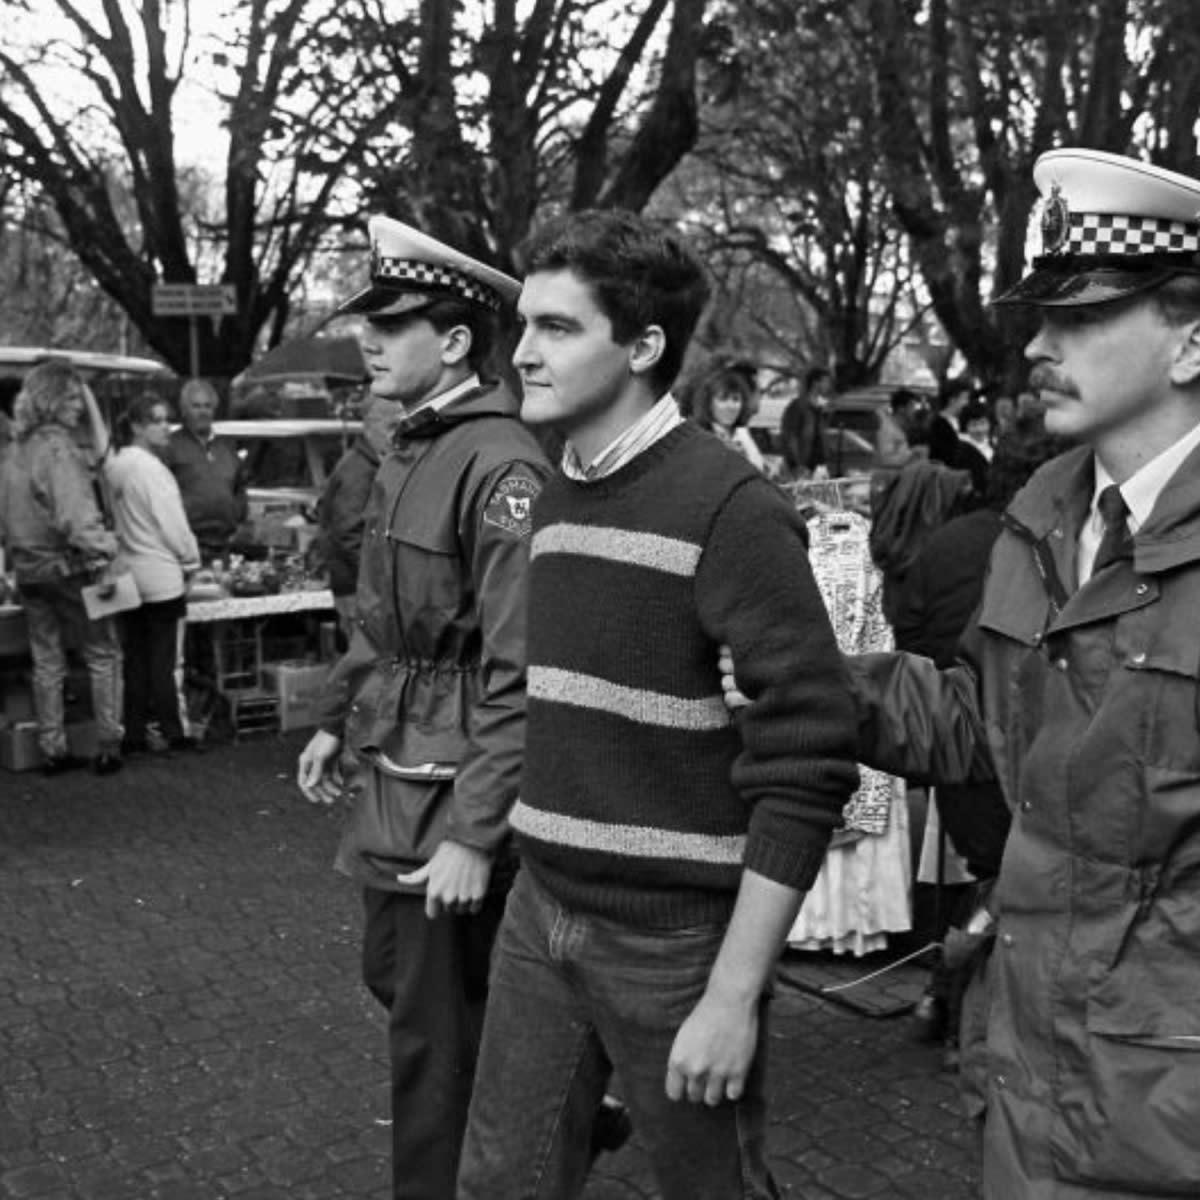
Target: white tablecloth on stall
[[233, 608]]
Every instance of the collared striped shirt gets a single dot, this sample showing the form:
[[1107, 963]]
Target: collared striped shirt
[[624, 448]]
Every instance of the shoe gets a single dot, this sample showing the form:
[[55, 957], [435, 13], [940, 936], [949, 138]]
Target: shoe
[[929, 1018], [612, 1127], [58, 763], [107, 764]]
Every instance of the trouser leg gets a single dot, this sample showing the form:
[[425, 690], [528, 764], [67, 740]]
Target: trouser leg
[[570, 996], [49, 671], [134, 637], [101, 651], [542, 1069], [161, 637], [432, 975], [179, 674], [642, 985]]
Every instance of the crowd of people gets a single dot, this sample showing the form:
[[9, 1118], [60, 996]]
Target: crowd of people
[[664, 851], [83, 511], [594, 732]]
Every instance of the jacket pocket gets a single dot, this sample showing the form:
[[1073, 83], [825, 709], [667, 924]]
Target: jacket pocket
[[1133, 1122], [395, 826]]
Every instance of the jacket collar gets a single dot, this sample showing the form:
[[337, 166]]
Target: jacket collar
[[1054, 504], [483, 400]]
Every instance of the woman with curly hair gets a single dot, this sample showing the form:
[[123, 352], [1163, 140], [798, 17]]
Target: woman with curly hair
[[54, 533]]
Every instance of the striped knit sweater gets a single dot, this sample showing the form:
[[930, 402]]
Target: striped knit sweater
[[641, 799]]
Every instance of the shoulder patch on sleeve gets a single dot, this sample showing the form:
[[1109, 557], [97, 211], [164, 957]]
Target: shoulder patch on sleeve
[[510, 506]]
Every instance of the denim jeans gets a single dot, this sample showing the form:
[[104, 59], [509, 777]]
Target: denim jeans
[[570, 996], [51, 611]]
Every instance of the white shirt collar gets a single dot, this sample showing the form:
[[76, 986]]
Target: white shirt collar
[[627, 445], [1142, 489], [442, 399]]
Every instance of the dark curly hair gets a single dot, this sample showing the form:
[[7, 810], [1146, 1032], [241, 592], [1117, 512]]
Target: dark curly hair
[[639, 275]]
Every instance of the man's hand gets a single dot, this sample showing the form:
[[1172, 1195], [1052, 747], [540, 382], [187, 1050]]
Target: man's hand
[[732, 696], [456, 879], [713, 1050], [317, 772]]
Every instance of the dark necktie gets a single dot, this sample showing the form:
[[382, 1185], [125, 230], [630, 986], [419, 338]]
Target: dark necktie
[[1117, 543]]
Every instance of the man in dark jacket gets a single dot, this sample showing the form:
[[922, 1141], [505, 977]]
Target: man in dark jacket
[[341, 513], [1080, 686], [430, 695], [802, 428], [945, 432], [208, 471]]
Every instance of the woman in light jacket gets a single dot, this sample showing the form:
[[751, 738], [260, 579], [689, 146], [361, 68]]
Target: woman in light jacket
[[159, 549]]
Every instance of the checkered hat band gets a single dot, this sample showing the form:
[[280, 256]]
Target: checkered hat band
[[423, 276], [1110, 233]]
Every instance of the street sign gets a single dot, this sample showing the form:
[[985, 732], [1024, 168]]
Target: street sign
[[193, 299]]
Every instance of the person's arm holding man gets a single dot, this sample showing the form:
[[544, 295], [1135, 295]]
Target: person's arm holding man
[[796, 770], [915, 719]]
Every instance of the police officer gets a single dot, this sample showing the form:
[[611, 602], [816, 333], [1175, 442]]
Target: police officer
[[429, 697], [1081, 684]]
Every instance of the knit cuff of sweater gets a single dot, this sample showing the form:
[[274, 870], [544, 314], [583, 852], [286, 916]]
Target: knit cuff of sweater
[[793, 864]]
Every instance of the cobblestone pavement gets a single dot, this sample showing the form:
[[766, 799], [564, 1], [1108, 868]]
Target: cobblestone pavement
[[180, 1016]]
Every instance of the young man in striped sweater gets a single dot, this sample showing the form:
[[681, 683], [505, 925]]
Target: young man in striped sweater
[[665, 850]]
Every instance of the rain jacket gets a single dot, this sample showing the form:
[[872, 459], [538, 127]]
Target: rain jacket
[[430, 694], [1087, 699], [50, 520], [341, 514]]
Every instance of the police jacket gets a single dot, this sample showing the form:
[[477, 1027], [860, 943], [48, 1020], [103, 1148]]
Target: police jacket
[[1087, 700], [432, 685]]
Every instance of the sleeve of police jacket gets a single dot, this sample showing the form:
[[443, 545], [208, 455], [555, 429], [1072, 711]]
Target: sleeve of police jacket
[[918, 721], [497, 538]]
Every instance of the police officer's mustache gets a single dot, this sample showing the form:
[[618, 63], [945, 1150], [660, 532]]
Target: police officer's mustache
[[1045, 379]]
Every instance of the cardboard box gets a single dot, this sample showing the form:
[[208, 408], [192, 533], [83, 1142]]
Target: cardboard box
[[19, 749], [298, 685]]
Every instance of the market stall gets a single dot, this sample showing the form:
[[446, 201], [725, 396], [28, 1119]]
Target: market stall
[[268, 669], [264, 691]]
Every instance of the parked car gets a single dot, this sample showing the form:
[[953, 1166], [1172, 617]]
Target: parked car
[[287, 461], [852, 420], [114, 378]]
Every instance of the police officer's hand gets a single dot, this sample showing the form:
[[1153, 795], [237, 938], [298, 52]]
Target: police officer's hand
[[317, 771], [456, 879], [733, 697]]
